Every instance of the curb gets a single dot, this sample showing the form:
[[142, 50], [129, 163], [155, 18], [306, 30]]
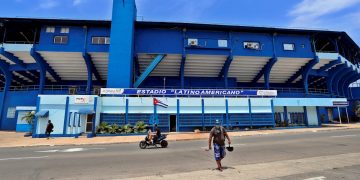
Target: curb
[[269, 132]]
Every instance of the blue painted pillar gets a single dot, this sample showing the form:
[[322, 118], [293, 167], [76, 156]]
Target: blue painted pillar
[[267, 71], [34, 133], [122, 44], [89, 68], [66, 117], [177, 114], [273, 113], [227, 113], [8, 79], [94, 118], [250, 113], [306, 117], [286, 119], [42, 78], [203, 113], [182, 72], [126, 111], [306, 72], [318, 115]]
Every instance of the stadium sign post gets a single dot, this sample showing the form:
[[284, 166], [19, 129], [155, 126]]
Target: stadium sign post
[[344, 104]]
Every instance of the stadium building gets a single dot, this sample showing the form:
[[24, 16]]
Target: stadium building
[[181, 76]]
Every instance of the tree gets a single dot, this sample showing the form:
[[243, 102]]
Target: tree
[[29, 118], [356, 108]]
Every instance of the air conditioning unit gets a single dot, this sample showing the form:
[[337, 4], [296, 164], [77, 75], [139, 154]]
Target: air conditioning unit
[[193, 42], [72, 90], [97, 91]]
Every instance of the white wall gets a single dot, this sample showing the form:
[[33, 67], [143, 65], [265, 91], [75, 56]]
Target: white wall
[[312, 116]]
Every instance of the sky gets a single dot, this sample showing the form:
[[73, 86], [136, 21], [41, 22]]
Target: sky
[[340, 15]]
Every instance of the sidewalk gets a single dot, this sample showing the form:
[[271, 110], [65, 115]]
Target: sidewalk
[[12, 139]]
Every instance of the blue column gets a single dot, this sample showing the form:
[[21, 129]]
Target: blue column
[[94, 118], [182, 72], [8, 79], [227, 113], [318, 116], [66, 115], [121, 52], [89, 68], [177, 114], [286, 119], [306, 117], [306, 72], [203, 113], [273, 112], [250, 113], [34, 133], [155, 115], [42, 72], [267, 71], [126, 111]]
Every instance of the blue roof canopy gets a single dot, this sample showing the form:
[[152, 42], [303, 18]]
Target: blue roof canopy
[[42, 113], [86, 111]]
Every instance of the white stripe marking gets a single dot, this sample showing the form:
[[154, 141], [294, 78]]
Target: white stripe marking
[[343, 136], [48, 151], [24, 158], [70, 150], [317, 178]]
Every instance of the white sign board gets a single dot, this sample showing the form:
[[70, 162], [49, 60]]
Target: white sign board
[[111, 91], [267, 92]]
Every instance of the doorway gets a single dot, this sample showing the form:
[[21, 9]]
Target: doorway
[[172, 123], [89, 122]]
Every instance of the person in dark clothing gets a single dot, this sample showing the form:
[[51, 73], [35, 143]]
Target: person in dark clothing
[[49, 129], [217, 136], [157, 133]]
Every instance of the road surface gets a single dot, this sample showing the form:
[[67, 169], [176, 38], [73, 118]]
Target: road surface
[[314, 155]]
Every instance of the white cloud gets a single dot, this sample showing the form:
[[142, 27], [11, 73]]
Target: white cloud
[[308, 12], [48, 4]]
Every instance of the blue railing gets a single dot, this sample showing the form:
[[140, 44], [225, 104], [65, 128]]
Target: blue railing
[[76, 89]]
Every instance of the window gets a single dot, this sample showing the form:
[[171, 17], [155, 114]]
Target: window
[[252, 45], [100, 40], [222, 43], [289, 47], [50, 29], [65, 30], [60, 40], [11, 112]]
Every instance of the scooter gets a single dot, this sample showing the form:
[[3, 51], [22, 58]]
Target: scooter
[[160, 141]]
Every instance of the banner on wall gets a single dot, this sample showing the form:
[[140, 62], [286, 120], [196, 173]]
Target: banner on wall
[[188, 92], [82, 100]]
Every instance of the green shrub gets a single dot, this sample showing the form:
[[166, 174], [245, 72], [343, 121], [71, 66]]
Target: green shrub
[[114, 129], [103, 128], [140, 127], [127, 129]]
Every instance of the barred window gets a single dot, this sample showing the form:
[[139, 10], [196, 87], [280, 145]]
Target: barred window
[[100, 40], [60, 40]]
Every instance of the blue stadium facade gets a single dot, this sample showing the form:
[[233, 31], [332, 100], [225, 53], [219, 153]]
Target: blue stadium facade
[[58, 67]]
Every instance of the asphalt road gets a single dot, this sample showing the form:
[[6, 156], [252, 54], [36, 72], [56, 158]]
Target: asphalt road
[[128, 161]]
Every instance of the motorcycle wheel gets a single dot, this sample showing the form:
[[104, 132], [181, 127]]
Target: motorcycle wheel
[[142, 144], [164, 144]]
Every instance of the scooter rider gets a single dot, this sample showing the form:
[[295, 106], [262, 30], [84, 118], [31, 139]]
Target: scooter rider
[[157, 133]]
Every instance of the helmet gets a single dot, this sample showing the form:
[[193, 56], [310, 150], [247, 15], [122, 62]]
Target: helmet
[[217, 122], [230, 149]]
